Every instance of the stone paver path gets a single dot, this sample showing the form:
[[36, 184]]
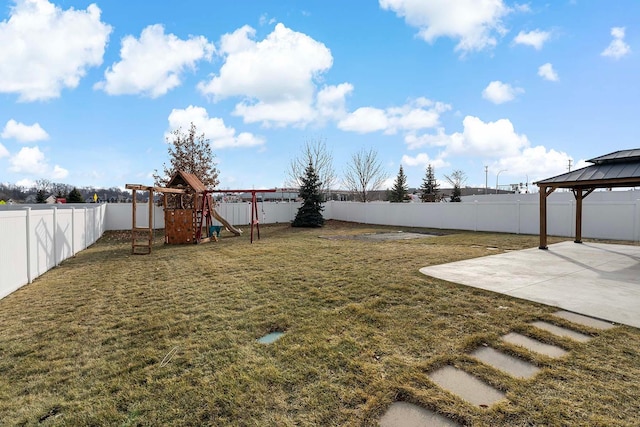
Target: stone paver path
[[466, 386], [477, 392], [584, 320], [534, 345], [561, 332], [404, 414], [513, 366]]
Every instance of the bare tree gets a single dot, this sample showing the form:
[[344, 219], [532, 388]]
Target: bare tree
[[457, 179], [190, 153], [44, 185], [364, 173], [315, 152]]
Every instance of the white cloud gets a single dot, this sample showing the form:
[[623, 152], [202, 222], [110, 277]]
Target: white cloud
[[26, 183], [535, 38], [276, 77], [421, 113], [480, 139], [547, 72], [414, 141], [535, 162], [213, 128], [153, 64], [59, 172], [617, 48], [474, 23], [423, 159], [32, 161], [489, 139], [499, 93], [330, 101], [238, 41], [24, 133], [46, 49], [365, 120], [497, 143], [524, 7], [3, 151]]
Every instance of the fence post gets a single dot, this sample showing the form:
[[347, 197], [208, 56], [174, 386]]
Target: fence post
[[518, 207], [28, 228], [636, 221], [475, 202], [55, 231], [73, 231], [86, 245]]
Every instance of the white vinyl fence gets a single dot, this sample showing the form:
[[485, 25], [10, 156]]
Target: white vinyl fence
[[37, 238], [618, 220]]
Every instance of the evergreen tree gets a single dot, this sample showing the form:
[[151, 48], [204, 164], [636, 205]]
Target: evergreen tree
[[75, 196], [41, 196], [457, 179], [400, 191], [429, 187], [455, 194], [310, 213]]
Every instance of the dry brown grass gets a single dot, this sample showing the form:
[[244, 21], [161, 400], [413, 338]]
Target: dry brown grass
[[170, 338]]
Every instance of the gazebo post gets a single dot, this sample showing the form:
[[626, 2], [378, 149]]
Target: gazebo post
[[579, 195], [544, 193]]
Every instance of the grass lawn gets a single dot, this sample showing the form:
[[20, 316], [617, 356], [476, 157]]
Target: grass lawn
[[169, 338]]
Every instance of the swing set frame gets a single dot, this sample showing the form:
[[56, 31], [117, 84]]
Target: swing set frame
[[254, 205]]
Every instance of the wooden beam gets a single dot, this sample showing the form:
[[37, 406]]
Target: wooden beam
[[155, 189], [150, 236], [580, 194], [577, 192], [544, 193], [133, 222], [272, 190]]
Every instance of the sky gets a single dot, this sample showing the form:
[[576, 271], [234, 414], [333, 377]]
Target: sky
[[506, 92]]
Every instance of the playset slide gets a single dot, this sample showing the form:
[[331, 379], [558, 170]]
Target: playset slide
[[224, 222]]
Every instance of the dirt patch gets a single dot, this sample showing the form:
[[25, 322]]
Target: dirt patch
[[397, 235]]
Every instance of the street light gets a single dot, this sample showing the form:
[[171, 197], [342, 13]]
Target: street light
[[498, 176], [486, 177]]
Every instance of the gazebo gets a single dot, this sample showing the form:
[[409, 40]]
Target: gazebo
[[617, 169]]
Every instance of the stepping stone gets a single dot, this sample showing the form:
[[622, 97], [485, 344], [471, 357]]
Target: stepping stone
[[534, 345], [404, 414], [561, 332], [584, 320], [511, 365], [269, 338], [466, 386]]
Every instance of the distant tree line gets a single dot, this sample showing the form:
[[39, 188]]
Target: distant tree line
[[364, 175], [43, 188]]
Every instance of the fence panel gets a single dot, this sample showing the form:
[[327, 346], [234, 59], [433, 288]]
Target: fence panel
[[36, 239], [13, 251]]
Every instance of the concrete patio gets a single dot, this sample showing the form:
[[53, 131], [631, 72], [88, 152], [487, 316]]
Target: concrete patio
[[594, 279]]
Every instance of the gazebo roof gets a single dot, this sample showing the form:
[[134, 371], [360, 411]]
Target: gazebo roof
[[617, 169]]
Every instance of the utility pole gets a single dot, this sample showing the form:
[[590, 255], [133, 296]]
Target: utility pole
[[569, 165], [486, 179]]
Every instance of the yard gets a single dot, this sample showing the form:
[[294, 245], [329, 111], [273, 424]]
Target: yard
[[108, 338]]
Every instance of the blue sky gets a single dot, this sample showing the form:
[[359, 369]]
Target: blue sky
[[88, 91]]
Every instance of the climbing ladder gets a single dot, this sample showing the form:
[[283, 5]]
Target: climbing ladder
[[141, 237], [203, 219]]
